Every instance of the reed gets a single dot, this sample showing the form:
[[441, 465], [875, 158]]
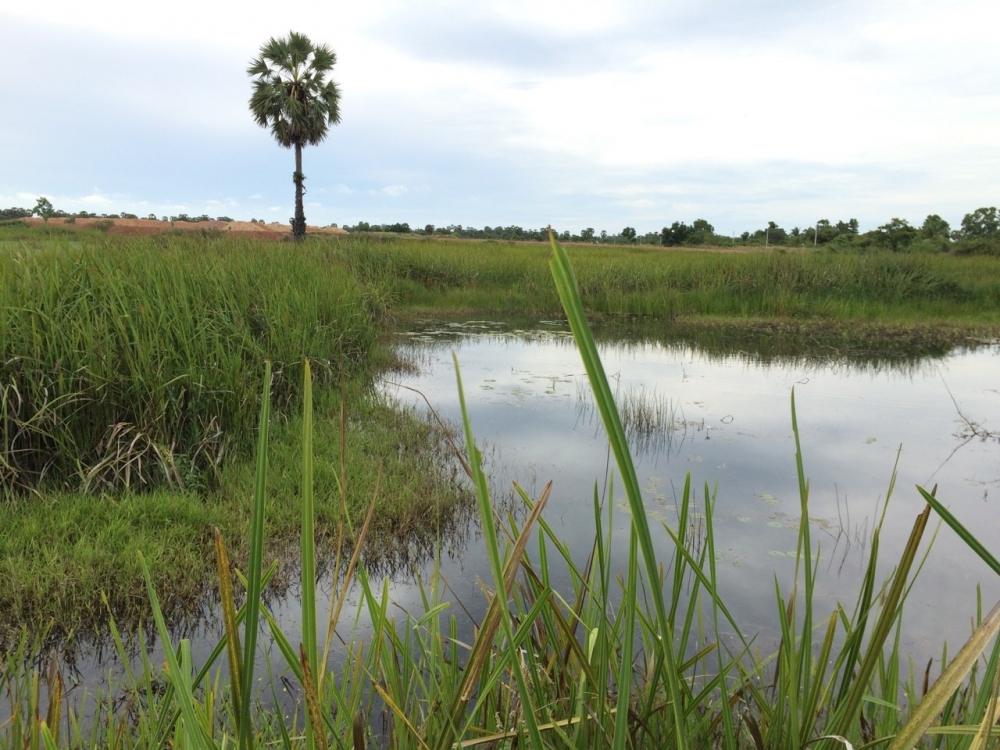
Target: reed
[[645, 657], [130, 363], [435, 276]]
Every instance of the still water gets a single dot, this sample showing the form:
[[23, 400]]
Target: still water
[[722, 415], [725, 419]]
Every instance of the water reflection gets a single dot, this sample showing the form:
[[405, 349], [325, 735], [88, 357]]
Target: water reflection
[[722, 413], [717, 410]]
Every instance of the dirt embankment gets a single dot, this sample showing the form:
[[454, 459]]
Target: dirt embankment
[[274, 230]]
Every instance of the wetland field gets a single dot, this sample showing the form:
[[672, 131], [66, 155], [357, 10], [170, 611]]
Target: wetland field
[[694, 474]]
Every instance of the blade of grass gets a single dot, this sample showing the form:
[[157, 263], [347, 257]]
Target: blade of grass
[[630, 596], [255, 566], [232, 635], [493, 551], [945, 686], [967, 536], [308, 648], [569, 296]]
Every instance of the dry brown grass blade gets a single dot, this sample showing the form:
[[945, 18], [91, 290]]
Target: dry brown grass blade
[[312, 701], [491, 622], [930, 707], [55, 686], [494, 739], [229, 617], [400, 714], [982, 737], [345, 584], [358, 730], [460, 455]]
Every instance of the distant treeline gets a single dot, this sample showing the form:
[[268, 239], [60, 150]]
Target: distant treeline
[[45, 210], [979, 232]]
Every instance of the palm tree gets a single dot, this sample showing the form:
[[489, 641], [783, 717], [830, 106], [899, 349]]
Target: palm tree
[[293, 98]]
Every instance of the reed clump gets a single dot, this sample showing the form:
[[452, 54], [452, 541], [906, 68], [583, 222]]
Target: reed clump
[[131, 362], [512, 278]]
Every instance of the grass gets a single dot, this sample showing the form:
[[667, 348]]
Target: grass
[[129, 374], [434, 277], [130, 405], [60, 552], [649, 656], [129, 391], [131, 363]]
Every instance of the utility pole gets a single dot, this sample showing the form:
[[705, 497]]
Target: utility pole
[[767, 229], [816, 235]]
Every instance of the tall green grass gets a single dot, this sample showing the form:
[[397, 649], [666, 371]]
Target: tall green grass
[[645, 657], [131, 362], [512, 278], [128, 362]]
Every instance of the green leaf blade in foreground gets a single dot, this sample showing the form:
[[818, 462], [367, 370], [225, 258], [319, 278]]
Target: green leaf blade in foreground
[[967, 536], [256, 564], [195, 727], [569, 296], [493, 550], [308, 587]]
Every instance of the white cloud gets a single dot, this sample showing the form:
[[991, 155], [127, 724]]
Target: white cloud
[[744, 111]]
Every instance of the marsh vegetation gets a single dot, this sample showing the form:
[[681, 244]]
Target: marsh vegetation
[[135, 421]]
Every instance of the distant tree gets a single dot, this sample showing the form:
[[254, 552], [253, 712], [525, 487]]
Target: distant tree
[[293, 98], [847, 227], [43, 208], [587, 235], [14, 213], [676, 234], [701, 233], [628, 234], [896, 235], [429, 229], [775, 234], [934, 227], [983, 222], [824, 232]]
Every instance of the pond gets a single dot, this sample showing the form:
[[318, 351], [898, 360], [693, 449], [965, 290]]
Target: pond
[[722, 414], [725, 419]]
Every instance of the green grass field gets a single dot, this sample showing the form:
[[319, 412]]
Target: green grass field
[[645, 657], [439, 277], [130, 366]]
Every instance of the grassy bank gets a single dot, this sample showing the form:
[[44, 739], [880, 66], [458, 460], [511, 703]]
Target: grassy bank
[[648, 656], [132, 363], [129, 374], [129, 369], [60, 553], [438, 277]]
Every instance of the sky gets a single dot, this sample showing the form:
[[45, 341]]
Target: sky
[[585, 114]]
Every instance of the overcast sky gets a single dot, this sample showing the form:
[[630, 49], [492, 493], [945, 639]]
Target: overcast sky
[[600, 114]]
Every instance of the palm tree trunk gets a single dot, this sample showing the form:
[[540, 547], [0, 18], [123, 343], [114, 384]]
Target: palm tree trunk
[[299, 222]]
